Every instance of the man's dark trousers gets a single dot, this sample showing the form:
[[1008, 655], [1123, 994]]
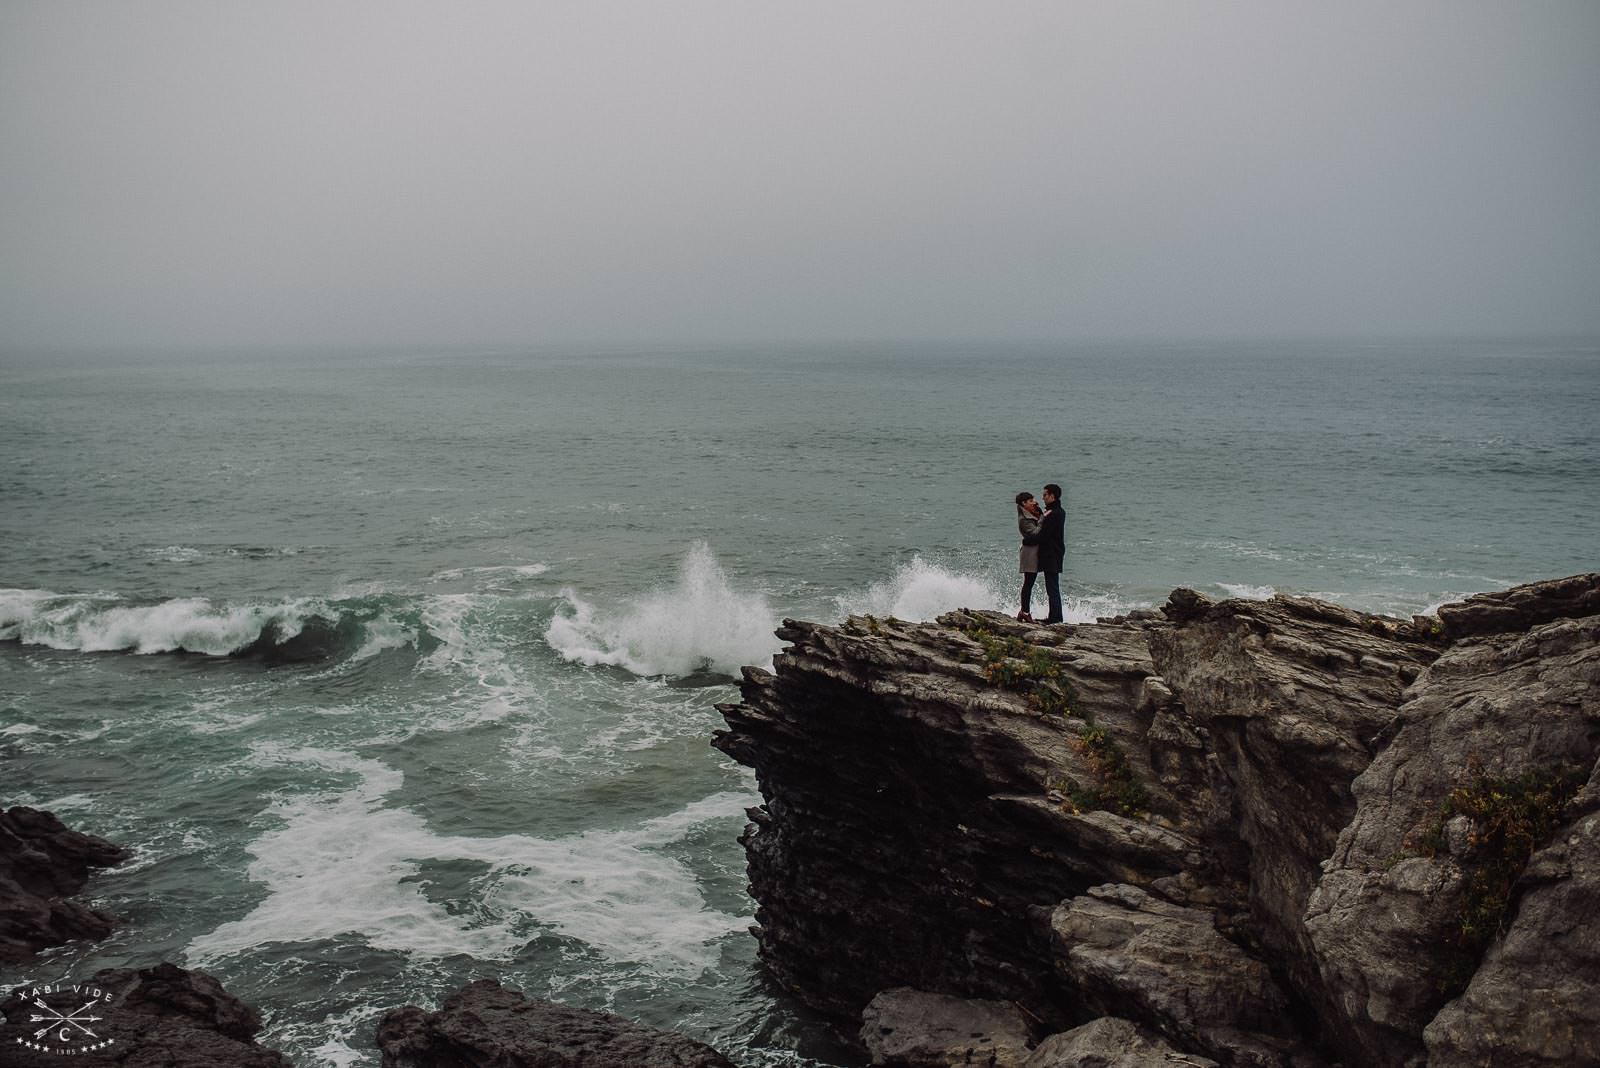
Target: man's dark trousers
[[1052, 589]]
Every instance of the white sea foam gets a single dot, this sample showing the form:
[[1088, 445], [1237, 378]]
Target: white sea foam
[[1086, 608], [920, 591], [342, 864], [469, 645], [1245, 591], [328, 1040], [699, 623]]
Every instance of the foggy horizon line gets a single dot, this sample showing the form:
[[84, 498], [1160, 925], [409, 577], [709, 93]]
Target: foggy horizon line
[[681, 344]]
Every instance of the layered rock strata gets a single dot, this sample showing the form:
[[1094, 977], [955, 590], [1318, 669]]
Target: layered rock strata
[[42, 865], [1254, 830]]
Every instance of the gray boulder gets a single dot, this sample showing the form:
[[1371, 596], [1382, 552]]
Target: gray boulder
[[1112, 1043], [914, 1029], [1167, 966], [1522, 607]]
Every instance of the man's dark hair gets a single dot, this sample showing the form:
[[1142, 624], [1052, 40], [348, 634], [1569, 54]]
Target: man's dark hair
[[1024, 496], [1054, 490]]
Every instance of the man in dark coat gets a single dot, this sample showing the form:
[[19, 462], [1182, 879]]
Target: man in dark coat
[[1053, 549]]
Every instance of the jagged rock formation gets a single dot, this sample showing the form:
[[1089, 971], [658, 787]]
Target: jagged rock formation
[[162, 1016], [486, 1024], [42, 864], [1509, 711], [1264, 831]]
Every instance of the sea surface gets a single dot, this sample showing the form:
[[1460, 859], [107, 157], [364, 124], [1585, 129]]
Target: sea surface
[[397, 669]]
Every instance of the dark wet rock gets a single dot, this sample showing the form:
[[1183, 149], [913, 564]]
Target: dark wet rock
[[42, 864], [914, 1029], [908, 828], [1257, 889], [1110, 1042], [485, 1025], [161, 1017]]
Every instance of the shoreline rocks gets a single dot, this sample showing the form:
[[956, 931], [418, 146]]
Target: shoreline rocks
[[1254, 831], [486, 1024], [42, 865], [164, 1016]]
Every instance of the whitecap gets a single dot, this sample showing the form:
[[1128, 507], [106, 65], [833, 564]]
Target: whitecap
[[521, 571], [176, 554]]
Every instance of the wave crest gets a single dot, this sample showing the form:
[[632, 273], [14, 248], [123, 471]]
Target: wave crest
[[301, 628]]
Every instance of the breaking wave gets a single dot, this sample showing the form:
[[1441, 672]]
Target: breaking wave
[[301, 628], [699, 624]]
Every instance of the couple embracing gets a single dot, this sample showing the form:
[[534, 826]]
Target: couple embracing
[[1044, 547]]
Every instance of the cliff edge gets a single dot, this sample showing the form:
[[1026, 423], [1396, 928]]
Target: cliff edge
[[1262, 833]]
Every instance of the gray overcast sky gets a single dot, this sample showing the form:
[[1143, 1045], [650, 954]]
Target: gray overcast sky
[[387, 172]]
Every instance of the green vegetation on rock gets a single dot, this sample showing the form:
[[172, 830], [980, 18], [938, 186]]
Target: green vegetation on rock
[[1508, 819], [1017, 665]]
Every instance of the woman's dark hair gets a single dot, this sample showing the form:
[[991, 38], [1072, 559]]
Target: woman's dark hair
[[1024, 496]]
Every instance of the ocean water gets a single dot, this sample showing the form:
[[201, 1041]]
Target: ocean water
[[397, 669]]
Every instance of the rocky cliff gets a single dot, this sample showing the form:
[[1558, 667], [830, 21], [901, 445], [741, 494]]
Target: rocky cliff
[[1263, 833]]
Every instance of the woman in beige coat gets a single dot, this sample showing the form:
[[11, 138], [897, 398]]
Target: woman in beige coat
[[1028, 513]]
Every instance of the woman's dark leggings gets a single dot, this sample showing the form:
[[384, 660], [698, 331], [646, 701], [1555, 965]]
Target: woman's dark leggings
[[1028, 578]]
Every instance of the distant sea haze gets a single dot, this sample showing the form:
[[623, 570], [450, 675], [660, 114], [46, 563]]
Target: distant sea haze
[[400, 667]]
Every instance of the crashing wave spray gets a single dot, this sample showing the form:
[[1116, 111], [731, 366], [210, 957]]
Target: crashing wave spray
[[920, 592], [701, 623]]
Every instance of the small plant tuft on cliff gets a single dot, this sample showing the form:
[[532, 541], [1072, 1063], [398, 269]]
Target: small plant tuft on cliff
[[1428, 628], [1017, 665], [1115, 788], [1510, 818], [1053, 698]]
